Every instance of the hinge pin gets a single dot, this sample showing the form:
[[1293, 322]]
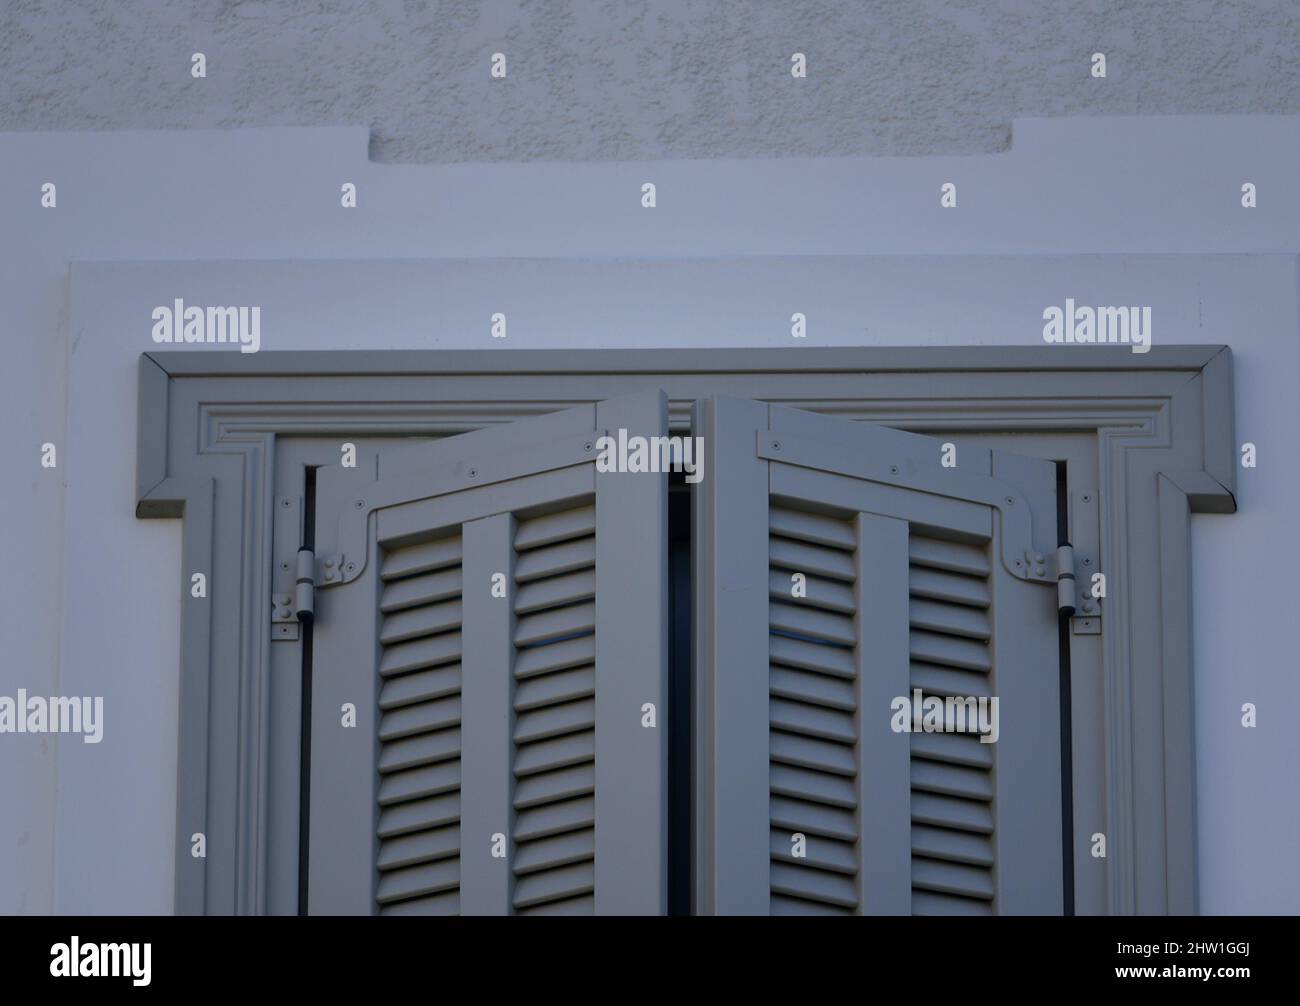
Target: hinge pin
[[1065, 589], [305, 592]]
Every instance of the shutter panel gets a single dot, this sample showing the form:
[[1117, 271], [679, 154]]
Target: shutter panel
[[844, 564], [483, 720]]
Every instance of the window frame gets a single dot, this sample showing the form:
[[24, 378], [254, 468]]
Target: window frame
[[209, 422]]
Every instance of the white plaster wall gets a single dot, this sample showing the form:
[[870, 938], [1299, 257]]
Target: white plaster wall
[[630, 79], [858, 244]]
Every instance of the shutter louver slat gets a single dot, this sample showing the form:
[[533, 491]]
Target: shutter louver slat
[[952, 878], [412, 784], [438, 904], [951, 812], [555, 720], [426, 717], [951, 780], [810, 753], [419, 847], [943, 681], [558, 590], [416, 815], [554, 818], [419, 653], [943, 586], [815, 689], [953, 619], [416, 559], [409, 752], [556, 656], [555, 624], [563, 686], [554, 703], [811, 656], [577, 522], [810, 623], [804, 527], [782, 905], [418, 854], [813, 885], [418, 590], [940, 649], [835, 856], [585, 905], [813, 819], [559, 850], [811, 785], [559, 784], [812, 721], [426, 620], [428, 878], [952, 556], [952, 748], [801, 557], [821, 592], [557, 752], [929, 903], [565, 557], [420, 686], [954, 846], [537, 889]]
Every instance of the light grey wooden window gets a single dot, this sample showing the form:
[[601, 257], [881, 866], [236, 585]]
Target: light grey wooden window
[[915, 576], [499, 763], [227, 442]]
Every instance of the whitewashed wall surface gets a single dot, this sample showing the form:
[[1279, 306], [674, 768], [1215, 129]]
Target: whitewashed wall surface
[[524, 194]]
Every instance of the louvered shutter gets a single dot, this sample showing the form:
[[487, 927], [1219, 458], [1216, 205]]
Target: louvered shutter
[[478, 716], [914, 576]]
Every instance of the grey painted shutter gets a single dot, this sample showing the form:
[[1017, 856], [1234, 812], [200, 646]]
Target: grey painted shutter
[[479, 716], [917, 577]]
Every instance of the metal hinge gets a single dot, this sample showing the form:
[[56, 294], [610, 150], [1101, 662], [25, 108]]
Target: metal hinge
[[1085, 552], [288, 611], [293, 580]]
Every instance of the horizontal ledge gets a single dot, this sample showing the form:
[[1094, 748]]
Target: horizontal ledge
[[1204, 493], [702, 360]]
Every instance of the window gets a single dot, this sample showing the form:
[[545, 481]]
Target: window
[[904, 573]]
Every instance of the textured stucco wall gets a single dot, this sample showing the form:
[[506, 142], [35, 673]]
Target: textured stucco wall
[[641, 79]]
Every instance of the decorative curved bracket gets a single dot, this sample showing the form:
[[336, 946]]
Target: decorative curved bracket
[[448, 471], [1019, 554]]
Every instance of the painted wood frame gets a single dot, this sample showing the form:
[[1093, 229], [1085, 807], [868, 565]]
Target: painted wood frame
[[1163, 421]]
